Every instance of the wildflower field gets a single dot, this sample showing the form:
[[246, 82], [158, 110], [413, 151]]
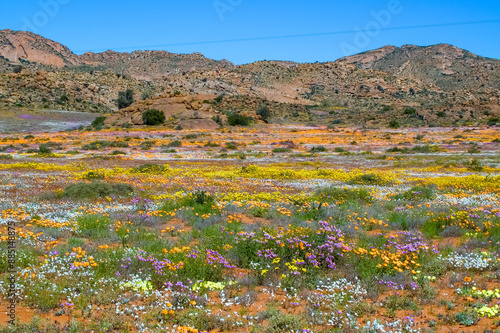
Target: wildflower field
[[272, 229]]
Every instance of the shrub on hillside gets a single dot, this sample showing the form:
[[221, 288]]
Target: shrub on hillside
[[153, 117], [236, 119], [98, 123], [264, 113], [125, 98]]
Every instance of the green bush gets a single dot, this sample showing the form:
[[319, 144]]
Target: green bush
[[394, 124], [44, 150], [333, 194], [98, 122], [318, 149], [425, 149], [475, 165], [125, 98], [284, 323], [281, 150], [231, 145], [99, 144], [236, 119], [467, 317], [367, 179], [176, 143], [93, 225], [153, 117], [151, 168], [219, 99], [264, 113], [97, 190], [92, 175], [418, 193], [410, 111], [403, 150]]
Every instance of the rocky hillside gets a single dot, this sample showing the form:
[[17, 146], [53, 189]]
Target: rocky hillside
[[434, 85], [19, 46], [447, 66]]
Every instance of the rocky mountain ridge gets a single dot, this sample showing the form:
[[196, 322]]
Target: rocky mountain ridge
[[426, 85]]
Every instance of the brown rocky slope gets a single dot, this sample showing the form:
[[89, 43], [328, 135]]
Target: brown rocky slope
[[439, 84]]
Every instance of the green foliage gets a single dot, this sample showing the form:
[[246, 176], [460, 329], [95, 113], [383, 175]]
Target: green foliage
[[475, 165], [493, 121], [125, 98], [231, 145], [93, 226], [410, 111], [5, 157], [334, 194], [418, 193], [92, 175], [199, 197], [264, 113], [403, 150], [153, 117], [467, 317], [211, 144], [284, 323], [425, 149], [396, 302], [44, 149], [236, 119], [176, 143], [219, 99], [281, 150], [367, 179], [218, 120], [151, 168], [100, 144], [394, 124], [63, 99], [98, 122], [318, 149], [97, 190]]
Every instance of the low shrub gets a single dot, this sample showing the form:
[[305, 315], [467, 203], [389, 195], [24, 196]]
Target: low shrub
[[93, 226], [281, 150], [150, 168], [418, 193], [153, 117], [236, 119], [318, 149], [367, 179], [97, 190], [333, 194]]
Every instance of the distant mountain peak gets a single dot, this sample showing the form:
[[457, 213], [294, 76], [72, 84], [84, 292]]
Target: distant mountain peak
[[15, 45]]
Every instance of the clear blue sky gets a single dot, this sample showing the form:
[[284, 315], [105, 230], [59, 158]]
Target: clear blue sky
[[125, 25]]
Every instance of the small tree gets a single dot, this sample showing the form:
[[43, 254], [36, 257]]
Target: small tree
[[394, 123], [264, 113], [44, 150], [125, 98], [153, 117]]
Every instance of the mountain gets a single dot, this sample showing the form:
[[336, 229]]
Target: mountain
[[18, 46], [447, 66], [21, 46], [415, 85]]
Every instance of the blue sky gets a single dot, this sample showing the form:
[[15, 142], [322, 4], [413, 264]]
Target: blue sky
[[125, 25]]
